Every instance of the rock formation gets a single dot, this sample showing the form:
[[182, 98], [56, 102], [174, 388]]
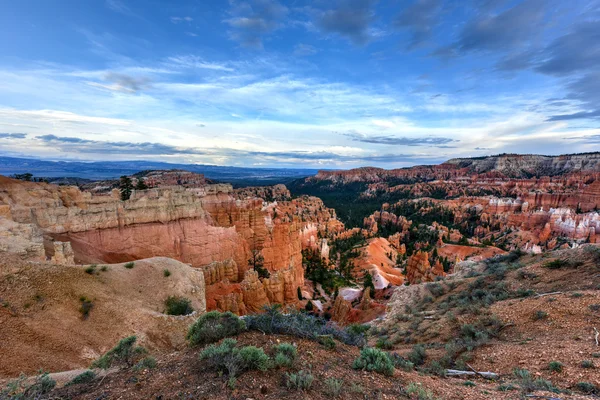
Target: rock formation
[[206, 227], [419, 270]]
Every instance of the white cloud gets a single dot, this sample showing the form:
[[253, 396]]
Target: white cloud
[[261, 107]]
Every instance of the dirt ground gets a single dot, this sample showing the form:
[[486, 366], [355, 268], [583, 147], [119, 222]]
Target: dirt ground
[[42, 326], [182, 375]]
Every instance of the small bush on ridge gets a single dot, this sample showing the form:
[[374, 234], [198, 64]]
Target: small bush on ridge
[[214, 326], [555, 366], [285, 355], [333, 387], [123, 353], [299, 381], [371, 359], [226, 357], [84, 377], [176, 305]]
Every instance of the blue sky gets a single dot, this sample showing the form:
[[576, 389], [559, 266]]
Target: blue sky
[[324, 83]]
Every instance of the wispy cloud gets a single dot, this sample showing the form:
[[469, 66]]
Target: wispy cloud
[[348, 18], [251, 21], [177, 20], [12, 135], [401, 141], [196, 62], [302, 50], [120, 7]]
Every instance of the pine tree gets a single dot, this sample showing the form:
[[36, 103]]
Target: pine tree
[[126, 187], [257, 262], [141, 185], [368, 284]]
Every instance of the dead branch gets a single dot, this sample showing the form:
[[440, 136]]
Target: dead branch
[[596, 336], [485, 375], [505, 326], [548, 294], [474, 370]]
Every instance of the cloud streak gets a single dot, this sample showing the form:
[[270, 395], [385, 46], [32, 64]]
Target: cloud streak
[[401, 141], [12, 135]]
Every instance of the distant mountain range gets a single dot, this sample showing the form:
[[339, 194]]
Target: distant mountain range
[[99, 170]]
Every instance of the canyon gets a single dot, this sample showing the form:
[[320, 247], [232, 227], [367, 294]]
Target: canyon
[[353, 247]]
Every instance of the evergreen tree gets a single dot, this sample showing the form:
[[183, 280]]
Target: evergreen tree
[[141, 185], [368, 284], [257, 262], [309, 306], [126, 187]]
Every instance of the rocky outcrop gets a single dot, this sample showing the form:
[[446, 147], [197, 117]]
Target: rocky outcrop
[[62, 253], [254, 293], [219, 271], [266, 193], [517, 165], [341, 310], [152, 179], [420, 270], [205, 227]]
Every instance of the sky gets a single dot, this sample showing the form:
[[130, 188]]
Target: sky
[[273, 83]]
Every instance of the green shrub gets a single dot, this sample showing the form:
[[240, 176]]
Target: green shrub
[[176, 305], [417, 355], [226, 357], [86, 307], [18, 389], [214, 326], [528, 384], [539, 315], [555, 366], [469, 384], [254, 358], [285, 355], [555, 264], [435, 289], [402, 363], [129, 265], [90, 269], [302, 325], [371, 359], [166, 273], [586, 387], [436, 368], [123, 353], [416, 391], [333, 387], [299, 381], [327, 341], [146, 363], [104, 268], [505, 387], [84, 377], [587, 364], [384, 343]]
